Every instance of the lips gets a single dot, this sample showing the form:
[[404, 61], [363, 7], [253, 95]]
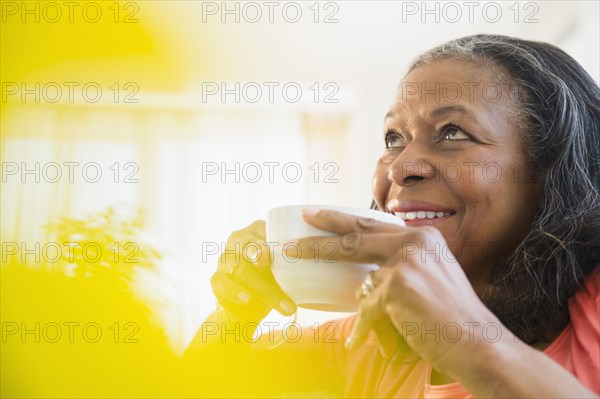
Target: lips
[[416, 213]]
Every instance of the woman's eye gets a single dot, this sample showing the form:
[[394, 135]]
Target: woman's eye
[[454, 132], [393, 140]]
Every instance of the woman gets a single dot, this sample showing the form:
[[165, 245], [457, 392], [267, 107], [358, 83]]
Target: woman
[[492, 158]]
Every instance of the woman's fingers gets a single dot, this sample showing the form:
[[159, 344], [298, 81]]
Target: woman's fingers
[[342, 223], [363, 240], [243, 283], [262, 284], [252, 269], [387, 337], [370, 315], [423, 243], [237, 299], [353, 247], [373, 315], [230, 290], [245, 247]]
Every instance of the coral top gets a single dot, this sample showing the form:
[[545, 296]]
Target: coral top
[[367, 374]]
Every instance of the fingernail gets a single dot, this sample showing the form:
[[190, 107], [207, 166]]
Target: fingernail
[[243, 296], [287, 306], [348, 343], [254, 254], [309, 212]]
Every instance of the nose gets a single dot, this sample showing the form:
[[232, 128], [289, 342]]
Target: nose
[[412, 166]]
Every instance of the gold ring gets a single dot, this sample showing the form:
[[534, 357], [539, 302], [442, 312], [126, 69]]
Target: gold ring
[[366, 287]]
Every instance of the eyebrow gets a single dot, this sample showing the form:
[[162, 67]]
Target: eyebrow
[[440, 111], [449, 109], [390, 114]]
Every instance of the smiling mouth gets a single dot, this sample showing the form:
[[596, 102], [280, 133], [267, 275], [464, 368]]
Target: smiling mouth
[[431, 215]]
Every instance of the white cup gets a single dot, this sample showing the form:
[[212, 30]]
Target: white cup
[[319, 284]]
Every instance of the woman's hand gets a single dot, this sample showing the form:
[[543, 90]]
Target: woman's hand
[[421, 292], [243, 282]]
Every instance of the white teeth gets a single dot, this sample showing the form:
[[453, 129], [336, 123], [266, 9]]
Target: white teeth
[[421, 215]]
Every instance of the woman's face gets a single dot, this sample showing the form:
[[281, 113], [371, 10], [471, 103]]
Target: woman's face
[[455, 159]]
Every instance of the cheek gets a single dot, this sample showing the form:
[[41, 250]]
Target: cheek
[[498, 206], [478, 235], [486, 192]]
